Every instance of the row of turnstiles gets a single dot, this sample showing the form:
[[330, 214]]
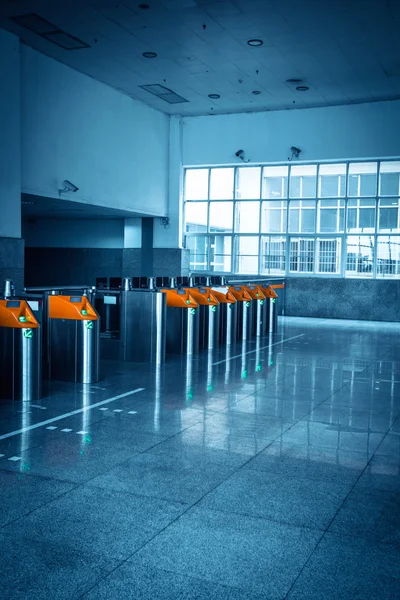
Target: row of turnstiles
[[61, 333]]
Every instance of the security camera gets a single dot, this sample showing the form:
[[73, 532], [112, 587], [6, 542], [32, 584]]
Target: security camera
[[295, 153], [73, 188], [68, 187], [240, 154]]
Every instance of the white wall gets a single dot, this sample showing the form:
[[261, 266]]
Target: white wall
[[113, 148], [341, 132], [74, 233], [10, 137]]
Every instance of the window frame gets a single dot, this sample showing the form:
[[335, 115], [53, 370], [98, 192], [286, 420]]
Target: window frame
[[287, 235]]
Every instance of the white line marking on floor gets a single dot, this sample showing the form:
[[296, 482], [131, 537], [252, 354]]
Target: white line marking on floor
[[132, 412], [66, 430], [81, 432], [15, 458], [38, 406], [52, 427], [1, 455], [220, 362], [70, 414], [103, 408], [118, 410]]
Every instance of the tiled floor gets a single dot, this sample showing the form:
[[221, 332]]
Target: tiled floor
[[272, 474]]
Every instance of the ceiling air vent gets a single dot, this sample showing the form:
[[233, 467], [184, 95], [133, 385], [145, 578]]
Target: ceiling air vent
[[50, 32], [163, 93]]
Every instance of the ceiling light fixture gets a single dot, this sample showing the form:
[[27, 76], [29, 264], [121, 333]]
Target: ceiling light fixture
[[302, 88], [256, 92], [214, 96], [294, 81], [149, 54], [255, 43]]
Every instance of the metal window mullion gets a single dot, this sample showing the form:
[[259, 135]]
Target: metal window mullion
[[345, 232], [259, 225], [375, 257]]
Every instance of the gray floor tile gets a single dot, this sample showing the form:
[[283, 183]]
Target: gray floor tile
[[382, 473], [39, 570], [371, 514], [134, 581], [346, 569], [21, 493], [69, 457], [110, 523], [340, 437], [306, 503], [167, 476], [305, 462], [254, 555]]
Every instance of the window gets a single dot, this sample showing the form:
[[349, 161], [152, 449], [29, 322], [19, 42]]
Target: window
[[273, 255], [388, 256], [331, 219]]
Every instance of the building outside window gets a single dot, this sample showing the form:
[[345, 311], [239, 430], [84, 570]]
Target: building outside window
[[333, 220]]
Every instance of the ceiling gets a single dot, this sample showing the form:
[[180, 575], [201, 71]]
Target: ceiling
[[345, 51], [34, 207]]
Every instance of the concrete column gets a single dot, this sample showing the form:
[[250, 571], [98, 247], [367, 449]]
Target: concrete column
[[11, 245], [169, 257]]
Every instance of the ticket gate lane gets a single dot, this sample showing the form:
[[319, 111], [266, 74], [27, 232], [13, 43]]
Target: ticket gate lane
[[20, 352], [228, 315], [209, 317], [183, 322], [244, 311]]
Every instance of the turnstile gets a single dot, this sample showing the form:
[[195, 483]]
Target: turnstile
[[259, 315], [270, 310], [134, 325], [20, 352], [209, 317], [228, 315], [183, 322], [73, 339], [245, 308]]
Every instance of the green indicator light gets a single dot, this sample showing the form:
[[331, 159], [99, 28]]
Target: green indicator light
[[244, 375], [257, 295], [209, 299], [271, 362], [89, 324], [190, 395], [273, 300], [213, 308], [22, 319], [192, 311], [247, 304], [258, 368], [87, 439], [84, 312], [28, 333], [262, 302], [210, 388], [187, 301]]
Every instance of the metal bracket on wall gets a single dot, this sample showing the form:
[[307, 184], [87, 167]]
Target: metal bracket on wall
[[165, 222]]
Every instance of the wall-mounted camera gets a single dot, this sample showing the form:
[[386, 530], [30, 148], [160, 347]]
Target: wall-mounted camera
[[295, 153], [68, 187], [240, 154]]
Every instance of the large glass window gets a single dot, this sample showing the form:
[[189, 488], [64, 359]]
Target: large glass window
[[329, 219]]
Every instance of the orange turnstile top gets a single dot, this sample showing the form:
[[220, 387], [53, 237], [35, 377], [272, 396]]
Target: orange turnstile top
[[180, 298], [255, 291], [240, 293], [269, 292], [223, 295], [17, 314], [203, 296], [74, 308]]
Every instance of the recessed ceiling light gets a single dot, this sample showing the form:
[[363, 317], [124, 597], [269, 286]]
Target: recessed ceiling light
[[149, 54], [214, 96], [294, 81], [302, 88], [256, 92], [255, 42]]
